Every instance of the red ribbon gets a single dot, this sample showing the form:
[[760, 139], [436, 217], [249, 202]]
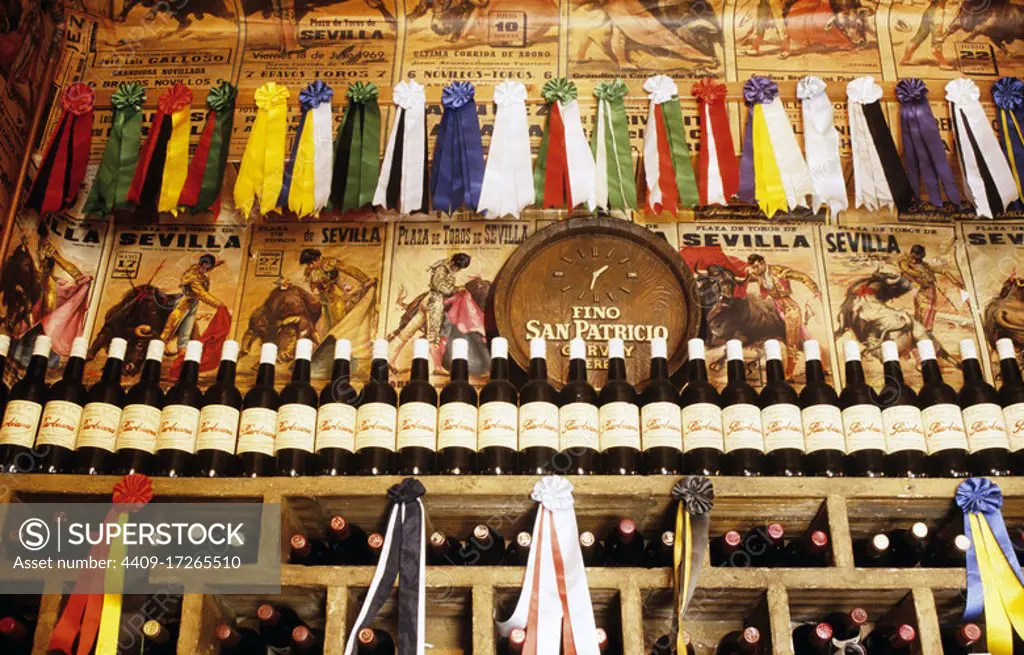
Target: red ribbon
[[67, 152], [197, 169], [666, 169], [172, 100], [556, 172], [568, 641], [711, 95]]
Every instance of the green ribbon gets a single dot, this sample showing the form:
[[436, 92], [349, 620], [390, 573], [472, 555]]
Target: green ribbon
[[221, 101], [361, 150], [686, 183], [121, 155], [619, 158], [540, 168], [559, 89]]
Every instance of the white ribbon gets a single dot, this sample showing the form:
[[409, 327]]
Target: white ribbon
[[963, 95], [508, 178], [323, 154], [716, 190], [556, 519], [412, 102], [652, 163], [579, 158], [871, 188], [821, 143], [796, 180]]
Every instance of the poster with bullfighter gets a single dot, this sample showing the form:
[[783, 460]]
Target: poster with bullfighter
[[169, 282], [318, 281], [901, 283], [754, 283], [440, 276]]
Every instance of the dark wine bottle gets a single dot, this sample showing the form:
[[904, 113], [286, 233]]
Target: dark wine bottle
[[726, 550], [308, 552], [457, 417], [901, 420], [24, 409], [908, 545], [296, 417], [5, 346], [306, 641], [701, 417], [336, 417], [591, 549], [217, 437], [811, 549], [1011, 397], [741, 418], [179, 419], [498, 420], [624, 546], [159, 638], [578, 417], [376, 418], [239, 641], [348, 542], [945, 553], [958, 639], [375, 642], [659, 551], [987, 440], [417, 417], [873, 552], [812, 639], [258, 423], [666, 645], [890, 639], [519, 550], [62, 413], [104, 403], [140, 421], [822, 419], [846, 626], [619, 417], [740, 642], [862, 419], [538, 415], [15, 636], [276, 625], [661, 427], [766, 545], [485, 547], [942, 419], [780, 418], [444, 550]]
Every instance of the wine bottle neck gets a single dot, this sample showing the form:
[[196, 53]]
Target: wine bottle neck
[[893, 373], [73, 370], [659, 368], [616, 369], [150, 371], [189, 373], [420, 370], [972, 370], [854, 372], [226, 373], [379, 371], [340, 371], [265, 375], [577, 370], [815, 372], [112, 371], [1010, 372], [460, 370], [736, 370], [930, 371], [300, 371], [773, 371], [36, 368], [698, 370], [538, 369], [499, 368]]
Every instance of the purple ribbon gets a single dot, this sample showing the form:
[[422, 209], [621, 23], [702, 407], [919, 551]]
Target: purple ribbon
[[457, 172], [315, 94], [923, 150], [311, 97], [758, 90]]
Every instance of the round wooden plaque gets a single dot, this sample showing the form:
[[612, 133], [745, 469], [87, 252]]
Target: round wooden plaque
[[596, 278]]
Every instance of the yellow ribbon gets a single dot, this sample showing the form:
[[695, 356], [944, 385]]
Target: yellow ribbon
[[110, 617], [301, 198], [176, 165], [1004, 595], [768, 189], [262, 171], [681, 556], [1009, 147]]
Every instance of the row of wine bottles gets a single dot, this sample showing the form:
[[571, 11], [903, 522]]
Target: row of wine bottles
[[845, 632], [909, 547], [937, 431]]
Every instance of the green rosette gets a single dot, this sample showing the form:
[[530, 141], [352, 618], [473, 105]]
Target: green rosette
[[121, 155], [619, 158]]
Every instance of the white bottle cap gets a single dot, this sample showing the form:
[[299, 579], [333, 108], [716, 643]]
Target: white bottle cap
[[380, 349], [155, 350], [1005, 349], [695, 348], [342, 349], [80, 347], [421, 349], [968, 350], [304, 349], [41, 346], [616, 349], [890, 351], [117, 348], [773, 349], [460, 349], [194, 351], [268, 353], [851, 351], [499, 348], [659, 348], [812, 351], [577, 349], [229, 351], [734, 350], [926, 349], [5, 345], [880, 542], [538, 348]]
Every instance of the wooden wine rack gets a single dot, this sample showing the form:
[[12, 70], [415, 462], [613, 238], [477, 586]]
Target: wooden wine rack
[[634, 605]]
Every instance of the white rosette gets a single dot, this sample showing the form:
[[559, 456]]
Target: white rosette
[[821, 144], [871, 188], [508, 178], [412, 102]]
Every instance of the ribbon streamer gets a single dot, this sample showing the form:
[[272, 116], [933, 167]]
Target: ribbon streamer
[[667, 166], [821, 143], [458, 168], [554, 606], [63, 167], [357, 152], [565, 172], [206, 172], [261, 173], [121, 154], [923, 150], [613, 157], [403, 180], [508, 177], [163, 165], [879, 179], [403, 556], [306, 185], [696, 496], [718, 173], [1008, 93], [988, 180]]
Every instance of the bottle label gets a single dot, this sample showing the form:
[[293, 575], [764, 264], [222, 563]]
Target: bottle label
[[21, 420], [218, 428], [702, 427], [256, 431], [661, 426], [741, 427], [456, 426], [985, 426], [497, 425], [578, 426], [179, 425], [538, 425], [59, 425], [783, 427], [336, 427], [296, 427], [375, 426], [823, 428], [943, 427], [903, 428], [863, 427], [620, 425], [417, 426], [1014, 418], [139, 427], [99, 426]]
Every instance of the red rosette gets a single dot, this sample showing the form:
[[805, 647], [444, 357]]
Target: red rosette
[[133, 492], [78, 99], [709, 90], [175, 99]]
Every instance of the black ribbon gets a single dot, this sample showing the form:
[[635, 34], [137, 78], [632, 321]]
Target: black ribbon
[[343, 151], [149, 195], [397, 154], [995, 202], [892, 166], [42, 181]]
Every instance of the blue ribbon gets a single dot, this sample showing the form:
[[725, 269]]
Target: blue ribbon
[[982, 496], [758, 90], [1008, 93], [923, 150], [457, 172], [309, 98]]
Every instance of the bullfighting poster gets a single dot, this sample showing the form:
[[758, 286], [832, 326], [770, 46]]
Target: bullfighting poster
[[173, 283], [319, 281], [754, 283], [440, 277], [898, 282]]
